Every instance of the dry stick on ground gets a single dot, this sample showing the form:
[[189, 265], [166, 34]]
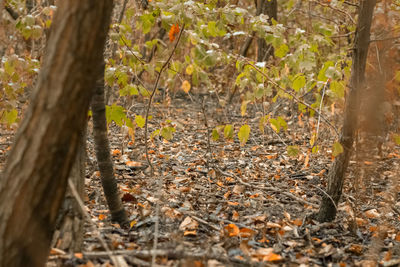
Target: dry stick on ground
[[271, 188], [292, 95], [175, 254], [145, 137]]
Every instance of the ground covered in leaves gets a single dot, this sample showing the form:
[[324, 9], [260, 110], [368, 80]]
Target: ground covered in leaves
[[220, 203]]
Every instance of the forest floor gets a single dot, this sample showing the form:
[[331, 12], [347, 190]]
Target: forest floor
[[219, 203]]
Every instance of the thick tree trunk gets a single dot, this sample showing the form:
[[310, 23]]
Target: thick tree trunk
[[336, 174], [270, 8], [68, 235], [33, 184], [103, 155]]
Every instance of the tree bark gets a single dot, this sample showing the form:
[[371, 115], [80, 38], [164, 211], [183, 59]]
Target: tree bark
[[68, 235], [103, 155], [327, 211], [270, 8], [34, 180]]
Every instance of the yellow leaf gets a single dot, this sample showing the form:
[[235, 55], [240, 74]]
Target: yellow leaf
[[189, 69], [185, 86]]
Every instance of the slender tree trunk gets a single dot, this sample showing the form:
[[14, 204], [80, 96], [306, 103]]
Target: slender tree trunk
[[34, 180], [103, 155], [337, 172], [269, 8]]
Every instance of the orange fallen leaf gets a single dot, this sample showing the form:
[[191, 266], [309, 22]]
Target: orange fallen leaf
[[116, 152], [272, 257], [297, 222], [227, 194], [78, 255], [232, 229], [192, 232], [229, 179], [102, 217], [133, 164], [233, 203], [57, 251], [246, 233], [356, 249]]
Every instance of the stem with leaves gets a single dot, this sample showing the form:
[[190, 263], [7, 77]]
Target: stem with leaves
[[151, 98]]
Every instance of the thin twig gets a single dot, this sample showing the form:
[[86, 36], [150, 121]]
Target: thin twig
[[151, 98], [319, 112], [203, 108], [121, 14]]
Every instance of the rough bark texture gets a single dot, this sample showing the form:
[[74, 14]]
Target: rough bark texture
[[68, 235], [33, 183], [337, 172], [269, 8], [103, 155]]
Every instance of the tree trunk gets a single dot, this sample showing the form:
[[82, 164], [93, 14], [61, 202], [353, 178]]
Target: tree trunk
[[103, 155], [68, 235], [34, 180], [270, 8], [327, 211]]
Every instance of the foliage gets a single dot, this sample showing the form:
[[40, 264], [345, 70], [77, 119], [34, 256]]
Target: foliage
[[311, 64]]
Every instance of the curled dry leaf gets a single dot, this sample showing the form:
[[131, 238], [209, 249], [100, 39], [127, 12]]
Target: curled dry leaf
[[188, 224], [372, 214]]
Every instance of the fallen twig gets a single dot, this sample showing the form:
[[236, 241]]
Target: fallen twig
[[271, 188]]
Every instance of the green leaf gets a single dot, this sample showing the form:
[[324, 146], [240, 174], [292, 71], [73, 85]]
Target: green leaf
[[282, 123], [167, 132], [337, 88], [143, 91], [129, 89], [215, 134], [275, 125], [281, 51], [228, 131], [315, 149], [243, 107], [140, 121], [396, 138], [155, 133], [10, 117], [321, 75], [262, 122], [293, 151], [115, 113], [337, 148], [244, 134], [299, 82]]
